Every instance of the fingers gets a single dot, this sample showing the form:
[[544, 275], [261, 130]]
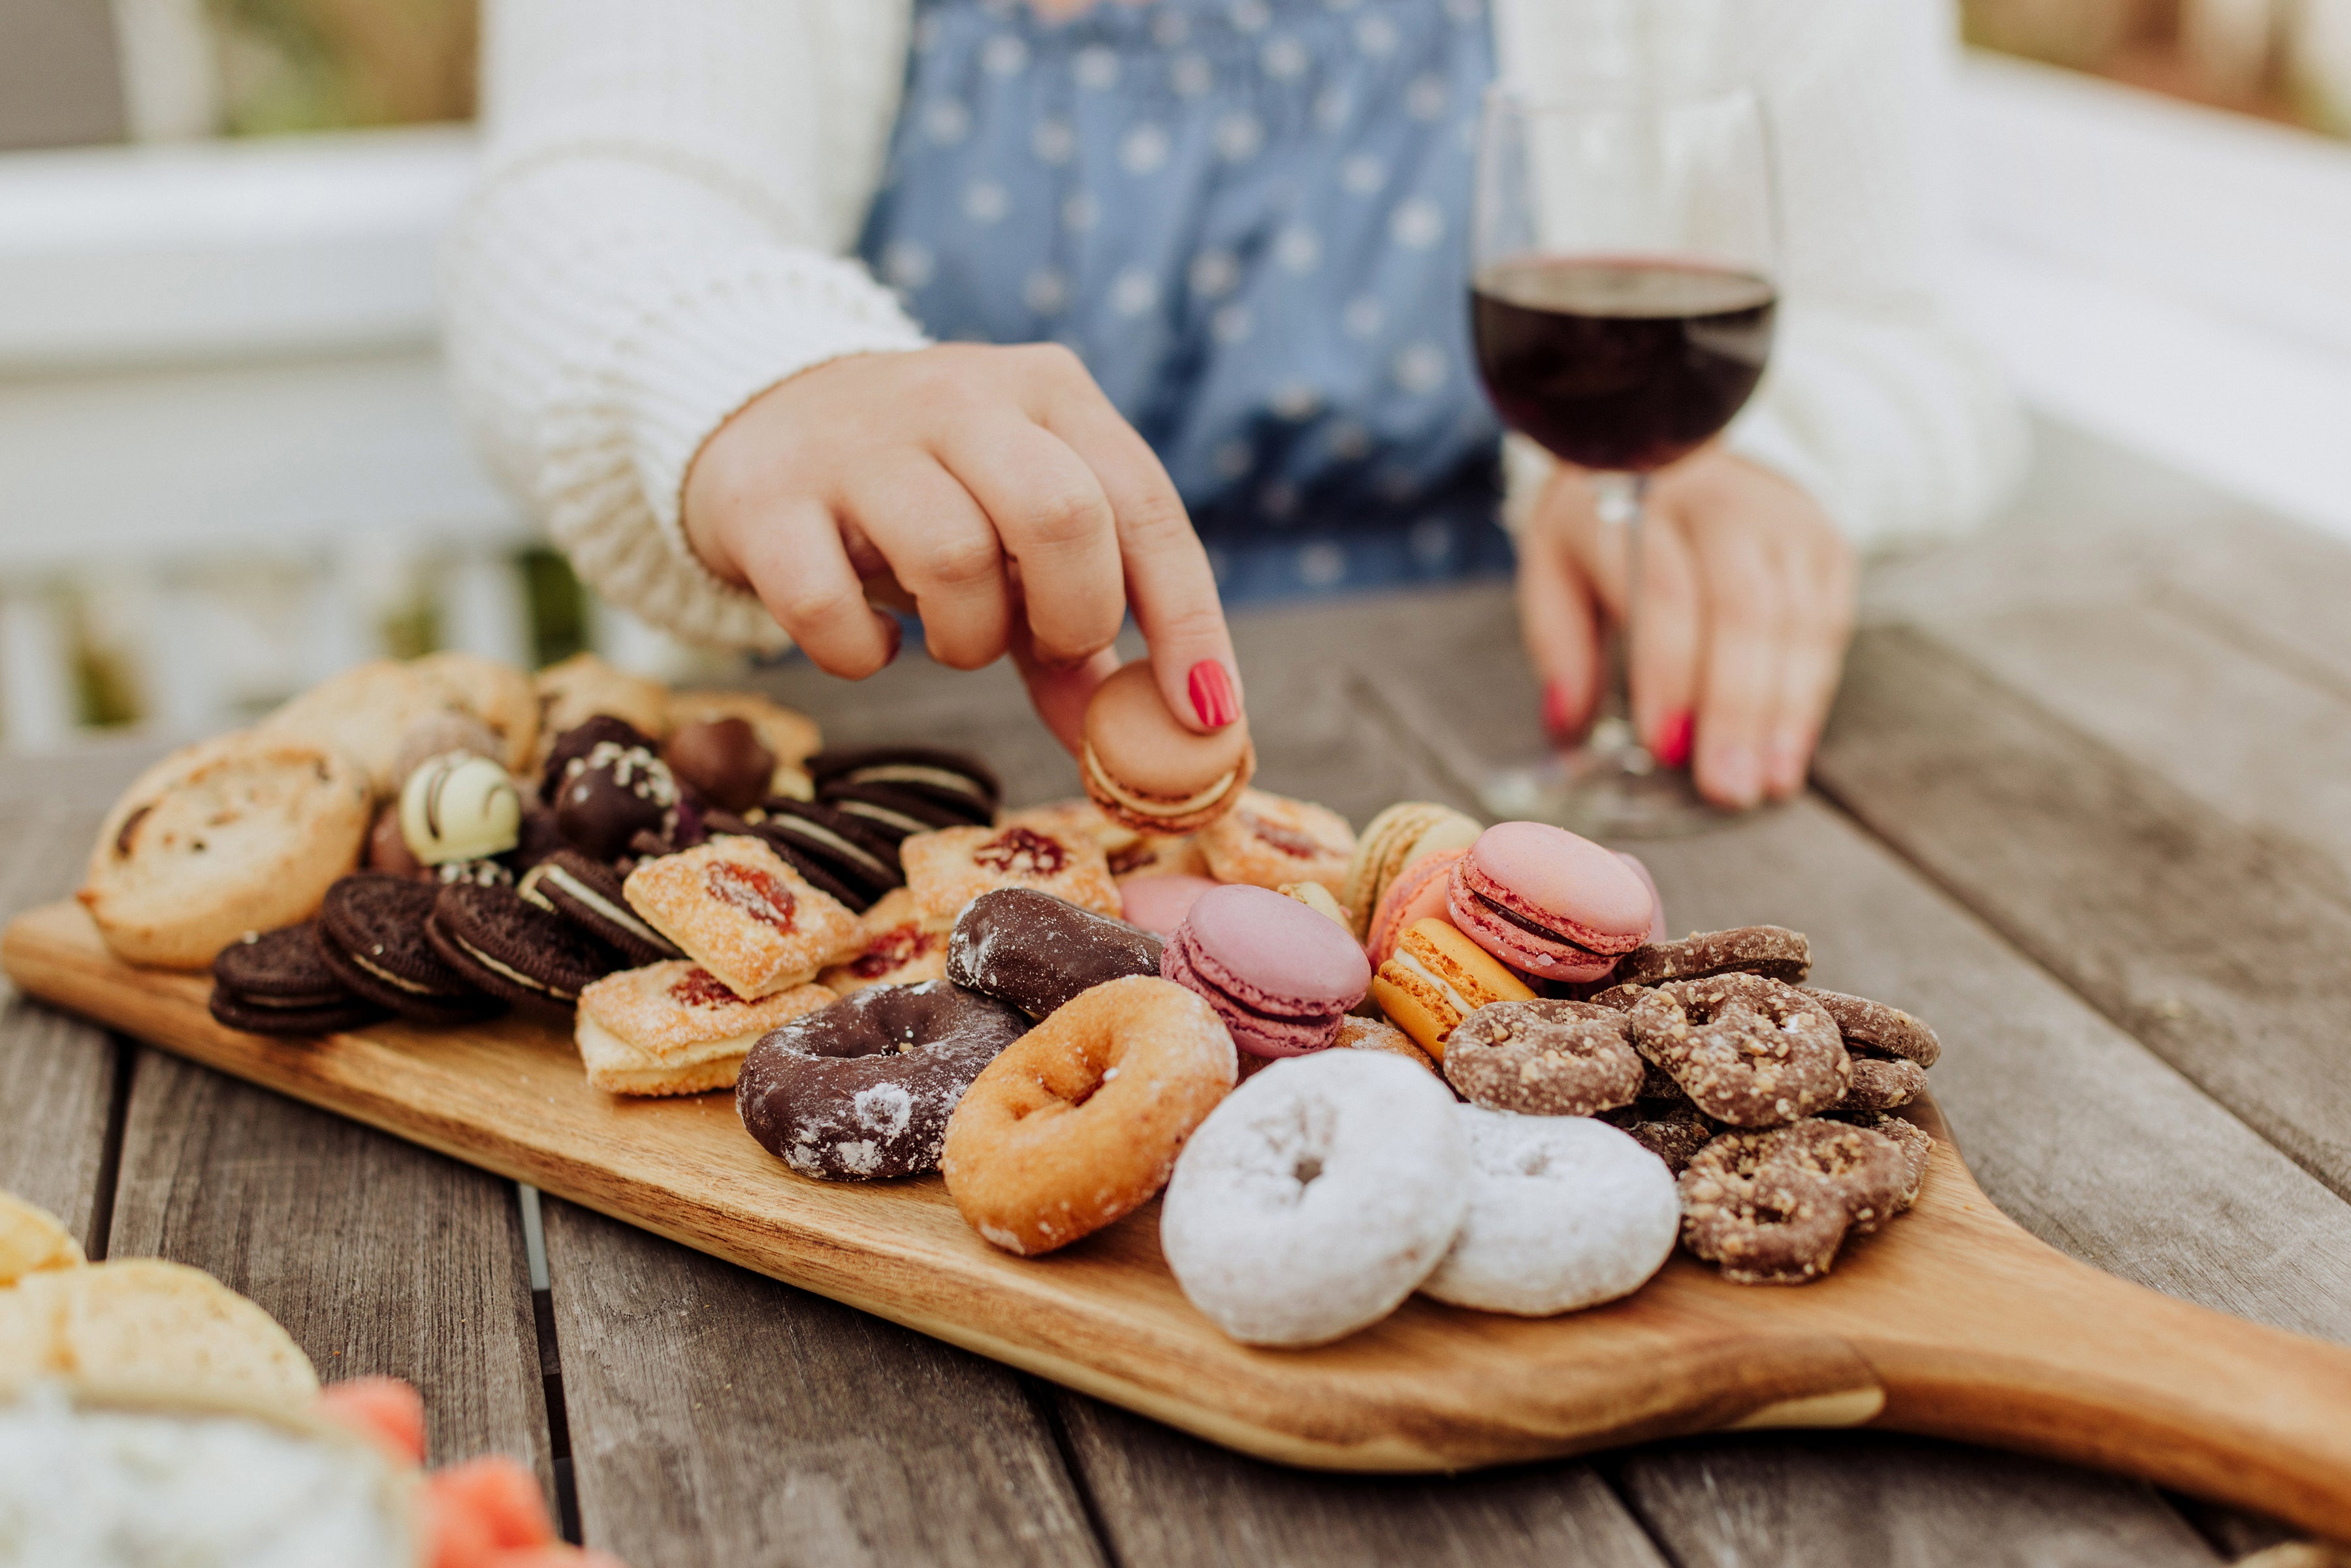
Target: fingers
[[1748, 620], [1669, 639], [1168, 581], [796, 564], [944, 549], [1561, 624], [1059, 691], [1053, 517], [1821, 622]]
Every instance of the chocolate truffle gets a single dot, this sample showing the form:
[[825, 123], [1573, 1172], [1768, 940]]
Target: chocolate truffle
[[387, 847], [580, 740], [723, 760], [459, 807], [611, 795]]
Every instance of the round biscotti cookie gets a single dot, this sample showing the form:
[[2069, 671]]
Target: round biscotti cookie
[[494, 692], [33, 1240], [1565, 1213], [583, 686], [365, 713], [241, 833], [1268, 840], [371, 931], [142, 1328], [1314, 1199], [277, 982]]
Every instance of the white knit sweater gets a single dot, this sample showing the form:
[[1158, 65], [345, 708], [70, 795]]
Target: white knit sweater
[[671, 188]]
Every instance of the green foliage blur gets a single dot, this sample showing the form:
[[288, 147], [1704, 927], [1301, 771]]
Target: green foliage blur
[[322, 64]]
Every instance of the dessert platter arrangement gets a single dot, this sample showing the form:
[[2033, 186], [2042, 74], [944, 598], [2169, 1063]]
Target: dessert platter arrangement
[[1387, 1094]]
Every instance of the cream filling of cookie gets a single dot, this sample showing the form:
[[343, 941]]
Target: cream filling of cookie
[[816, 832], [412, 988], [598, 905], [1420, 971], [507, 970], [1143, 807], [601, 1045], [886, 816], [908, 773]]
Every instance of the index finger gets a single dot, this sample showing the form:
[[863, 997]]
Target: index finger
[[1168, 583]]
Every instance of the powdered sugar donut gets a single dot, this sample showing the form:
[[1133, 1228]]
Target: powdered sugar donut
[[1563, 1212], [1316, 1197]]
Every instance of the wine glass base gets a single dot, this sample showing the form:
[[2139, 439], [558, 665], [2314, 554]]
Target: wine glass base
[[1609, 788]]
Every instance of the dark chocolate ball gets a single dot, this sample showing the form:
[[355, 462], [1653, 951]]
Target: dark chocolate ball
[[611, 795], [724, 761], [387, 846], [580, 740]]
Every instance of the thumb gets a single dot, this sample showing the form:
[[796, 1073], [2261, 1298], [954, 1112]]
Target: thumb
[[1060, 691], [1561, 624]]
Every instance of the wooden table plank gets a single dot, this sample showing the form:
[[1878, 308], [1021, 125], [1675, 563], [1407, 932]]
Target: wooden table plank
[[378, 1256], [1166, 1499], [718, 1416], [2214, 946]]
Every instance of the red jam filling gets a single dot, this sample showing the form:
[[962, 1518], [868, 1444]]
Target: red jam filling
[[698, 988], [893, 949], [754, 891], [1021, 851], [1288, 841]]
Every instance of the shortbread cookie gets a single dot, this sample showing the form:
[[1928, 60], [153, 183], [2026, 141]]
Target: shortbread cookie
[[145, 1329], [364, 713], [734, 906], [900, 949], [674, 1028], [1544, 1059], [33, 1240], [1772, 951], [1773, 1208], [1270, 839], [583, 686], [1747, 1051], [242, 833], [948, 869], [1565, 1213], [496, 694]]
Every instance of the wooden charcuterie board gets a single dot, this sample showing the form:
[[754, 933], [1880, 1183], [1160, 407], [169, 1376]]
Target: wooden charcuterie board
[[1953, 1321]]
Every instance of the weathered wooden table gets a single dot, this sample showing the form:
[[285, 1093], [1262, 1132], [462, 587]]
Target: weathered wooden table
[[2085, 805]]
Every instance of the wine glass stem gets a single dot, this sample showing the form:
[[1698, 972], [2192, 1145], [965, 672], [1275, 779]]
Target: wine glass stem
[[1620, 500]]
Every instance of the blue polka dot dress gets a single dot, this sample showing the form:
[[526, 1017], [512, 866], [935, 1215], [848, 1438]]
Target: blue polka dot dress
[[1250, 219]]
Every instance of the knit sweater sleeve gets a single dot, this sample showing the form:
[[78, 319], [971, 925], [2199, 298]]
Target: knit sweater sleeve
[[654, 242], [1876, 400]]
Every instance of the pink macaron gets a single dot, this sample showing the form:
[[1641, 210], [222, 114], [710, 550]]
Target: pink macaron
[[1548, 902], [1160, 902], [1416, 894], [1279, 974], [1657, 900]]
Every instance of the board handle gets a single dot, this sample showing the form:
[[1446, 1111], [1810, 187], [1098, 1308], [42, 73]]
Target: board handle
[[2035, 1351]]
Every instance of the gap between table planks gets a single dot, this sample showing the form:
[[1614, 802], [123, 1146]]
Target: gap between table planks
[[1953, 1321]]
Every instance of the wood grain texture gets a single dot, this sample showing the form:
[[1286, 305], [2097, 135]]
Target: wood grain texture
[[2208, 942], [1165, 1500], [377, 1257], [1796, 1503], [717, 1417], [1964, 1323]]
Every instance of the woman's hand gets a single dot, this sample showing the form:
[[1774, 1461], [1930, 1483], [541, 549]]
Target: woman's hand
[[993, 490], [1746, 605]]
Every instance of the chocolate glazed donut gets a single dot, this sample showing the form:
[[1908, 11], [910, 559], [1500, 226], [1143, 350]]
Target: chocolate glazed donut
[[862, 1090]]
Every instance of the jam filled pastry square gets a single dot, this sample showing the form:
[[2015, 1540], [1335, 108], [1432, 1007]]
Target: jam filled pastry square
[[734, 906], [947, 870], [673, 1028]]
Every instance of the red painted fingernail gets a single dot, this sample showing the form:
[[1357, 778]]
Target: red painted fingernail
[[1559, 713], [1212, 695], [1673, 748]]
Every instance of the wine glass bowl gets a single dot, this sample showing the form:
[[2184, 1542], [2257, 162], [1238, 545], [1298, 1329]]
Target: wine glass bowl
[[1623, 306]]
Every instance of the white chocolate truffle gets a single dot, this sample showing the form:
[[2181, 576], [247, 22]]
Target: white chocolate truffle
[[459, 807]]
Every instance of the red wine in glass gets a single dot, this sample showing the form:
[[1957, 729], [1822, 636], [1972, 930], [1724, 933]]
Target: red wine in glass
[[1620, 364]]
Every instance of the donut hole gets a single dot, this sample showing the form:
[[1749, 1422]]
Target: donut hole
[[1305, 1167]]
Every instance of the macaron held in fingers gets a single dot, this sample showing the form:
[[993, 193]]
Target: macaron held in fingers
[[1145, 769]]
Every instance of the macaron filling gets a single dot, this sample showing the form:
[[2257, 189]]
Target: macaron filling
[[1403, 959], [1144, 805], [1533, 928]]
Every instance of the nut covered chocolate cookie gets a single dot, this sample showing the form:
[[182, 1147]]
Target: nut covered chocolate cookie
[[1878, 1027], [1772, 951], [1673, 1130], [1544, 1059], [1774, 1208], [1747, 1051], [1883, 1083]]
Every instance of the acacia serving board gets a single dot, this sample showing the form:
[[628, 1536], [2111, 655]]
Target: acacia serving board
[[1953, 1321]]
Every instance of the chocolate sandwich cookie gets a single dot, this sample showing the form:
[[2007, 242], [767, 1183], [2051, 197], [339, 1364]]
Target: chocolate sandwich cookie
[[515, 950], [580, 739], [953, 780], [853, 851], [586, 894], [896, 814], [277, 982], [371, 934]]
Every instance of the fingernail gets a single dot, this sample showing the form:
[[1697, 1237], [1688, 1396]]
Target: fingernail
[[1673, 744], [1738, 774], [1212, 695], [1558, 711]]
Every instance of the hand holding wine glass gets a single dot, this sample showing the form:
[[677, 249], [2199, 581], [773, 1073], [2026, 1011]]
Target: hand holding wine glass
[[1622, 305]]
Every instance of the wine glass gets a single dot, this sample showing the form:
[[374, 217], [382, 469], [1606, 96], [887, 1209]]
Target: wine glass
[[1622, 302]]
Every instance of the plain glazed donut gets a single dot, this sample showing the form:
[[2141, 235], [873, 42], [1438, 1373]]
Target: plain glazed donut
[[1313, 1200], [1078, 1122], [862, 1089], [1565, 1212]]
